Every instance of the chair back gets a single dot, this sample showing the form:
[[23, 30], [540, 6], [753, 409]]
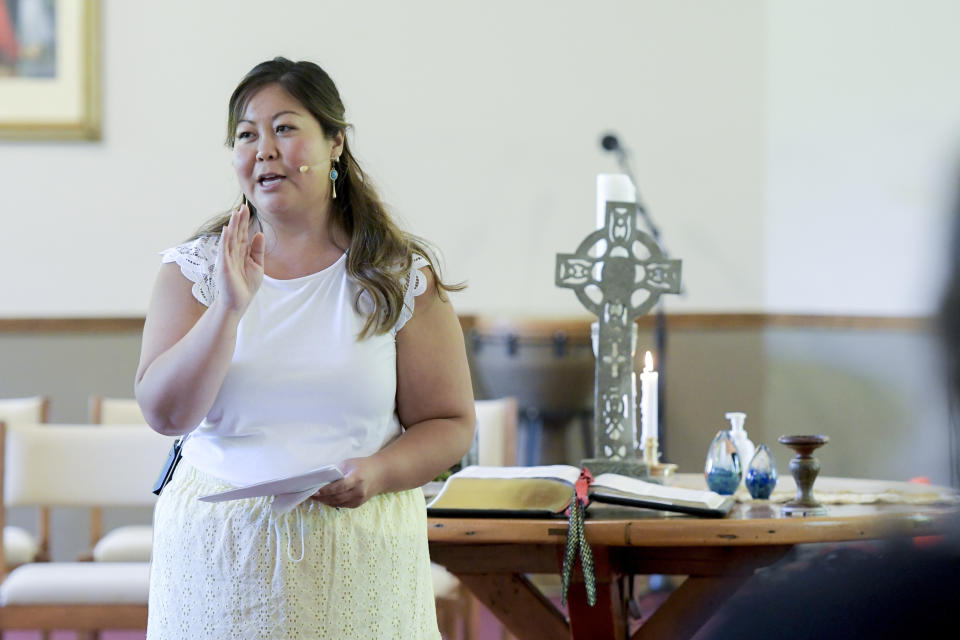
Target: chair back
[[497, 432], [81, 465], [115, 411], [33, 410]]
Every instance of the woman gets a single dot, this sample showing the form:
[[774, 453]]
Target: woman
[[302, 329]]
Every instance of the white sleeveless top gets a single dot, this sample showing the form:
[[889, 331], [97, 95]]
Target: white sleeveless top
[[302, 390]]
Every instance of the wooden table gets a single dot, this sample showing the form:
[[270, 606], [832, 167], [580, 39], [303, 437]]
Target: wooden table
[[492, 556]]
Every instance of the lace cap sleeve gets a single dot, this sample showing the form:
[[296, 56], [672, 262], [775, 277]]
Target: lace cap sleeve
[[197, 260], [416, 284]]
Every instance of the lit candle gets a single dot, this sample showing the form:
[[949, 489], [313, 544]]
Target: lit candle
[[649, 379]]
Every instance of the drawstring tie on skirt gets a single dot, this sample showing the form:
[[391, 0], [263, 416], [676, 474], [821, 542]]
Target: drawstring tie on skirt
[[286, 522]]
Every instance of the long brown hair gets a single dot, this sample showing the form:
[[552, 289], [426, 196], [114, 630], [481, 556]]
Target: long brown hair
[[380, 253]]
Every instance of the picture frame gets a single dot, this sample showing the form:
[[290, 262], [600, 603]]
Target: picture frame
[[55, 93]]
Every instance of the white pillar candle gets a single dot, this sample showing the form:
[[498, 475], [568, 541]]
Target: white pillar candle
[[649, 380], [612, 186]]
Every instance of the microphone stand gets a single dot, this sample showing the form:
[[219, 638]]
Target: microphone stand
[[660, 319]]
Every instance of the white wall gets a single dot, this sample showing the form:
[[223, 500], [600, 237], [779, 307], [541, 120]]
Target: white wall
[[863, 130], [481, 124]]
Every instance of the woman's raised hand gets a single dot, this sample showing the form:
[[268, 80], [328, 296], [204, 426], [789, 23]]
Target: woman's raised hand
[[239, 268]]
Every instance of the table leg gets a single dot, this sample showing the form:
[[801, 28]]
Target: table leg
[[519, 605], [605, 619], [689, 607]]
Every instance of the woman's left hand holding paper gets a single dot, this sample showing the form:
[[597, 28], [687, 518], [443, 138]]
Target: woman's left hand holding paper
[[360, 482]]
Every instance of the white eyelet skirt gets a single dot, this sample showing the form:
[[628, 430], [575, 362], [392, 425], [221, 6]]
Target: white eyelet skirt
[[233, 570]]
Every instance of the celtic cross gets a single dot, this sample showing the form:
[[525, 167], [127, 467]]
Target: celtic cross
[[618, 273]]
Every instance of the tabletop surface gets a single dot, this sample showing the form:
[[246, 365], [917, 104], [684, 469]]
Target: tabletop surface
[[869, 509], [493, 556]]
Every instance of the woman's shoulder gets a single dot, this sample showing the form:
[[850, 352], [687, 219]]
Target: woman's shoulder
[[197, 259], [201, 249], [418, 276], [417, 280]]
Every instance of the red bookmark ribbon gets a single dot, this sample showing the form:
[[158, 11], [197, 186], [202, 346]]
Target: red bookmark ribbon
[[582, 485]]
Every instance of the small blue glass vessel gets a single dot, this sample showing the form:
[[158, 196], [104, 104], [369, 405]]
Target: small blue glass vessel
[[761, 474], [722, 469]]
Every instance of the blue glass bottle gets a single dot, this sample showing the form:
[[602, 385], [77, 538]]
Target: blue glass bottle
[[722, 469], [761, 474]]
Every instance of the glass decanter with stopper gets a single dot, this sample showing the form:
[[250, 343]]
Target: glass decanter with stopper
[[722, 469], [741, 440]]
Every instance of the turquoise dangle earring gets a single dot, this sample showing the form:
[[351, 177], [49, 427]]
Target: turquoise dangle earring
[[333, 177]]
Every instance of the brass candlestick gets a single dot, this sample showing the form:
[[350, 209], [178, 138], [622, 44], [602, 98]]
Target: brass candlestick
[[651, 456], [804, 468]]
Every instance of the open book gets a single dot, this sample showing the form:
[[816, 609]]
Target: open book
[[546, 491], [287, 492]]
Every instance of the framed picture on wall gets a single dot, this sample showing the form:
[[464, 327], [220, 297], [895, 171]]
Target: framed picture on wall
[[50, 69]]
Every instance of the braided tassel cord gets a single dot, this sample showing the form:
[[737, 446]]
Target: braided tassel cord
[[570, 553], [586, 561], [576, 538]]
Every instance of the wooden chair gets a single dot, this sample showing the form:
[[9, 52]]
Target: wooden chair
[[19, 545], [129, 543], [496, 446], [77, 466]]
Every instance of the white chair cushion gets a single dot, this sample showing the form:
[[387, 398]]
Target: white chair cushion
[[77, 583], [19, 546], [444, 583], [132, 543]]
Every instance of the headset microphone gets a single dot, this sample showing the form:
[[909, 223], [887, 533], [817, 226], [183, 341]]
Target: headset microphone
[[333, 174]]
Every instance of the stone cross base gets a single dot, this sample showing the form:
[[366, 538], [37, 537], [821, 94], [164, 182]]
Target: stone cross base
[[634, 468]]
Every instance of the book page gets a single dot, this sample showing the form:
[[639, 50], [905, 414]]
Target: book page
[[635, 487], [563, 472], [545, 489], [476, 495]]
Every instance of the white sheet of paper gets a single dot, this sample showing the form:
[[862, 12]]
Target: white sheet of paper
[[289, 492]]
